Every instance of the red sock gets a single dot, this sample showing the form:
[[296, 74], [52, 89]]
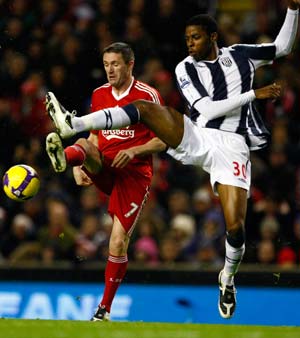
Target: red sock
[[75, 155], [114, 273]]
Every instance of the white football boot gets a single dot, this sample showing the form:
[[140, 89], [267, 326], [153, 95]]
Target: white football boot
[[55, 151], [60, 116], [227, 299]]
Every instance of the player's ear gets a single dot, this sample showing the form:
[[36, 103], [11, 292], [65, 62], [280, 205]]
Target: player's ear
[[214, 36], [131, 64]]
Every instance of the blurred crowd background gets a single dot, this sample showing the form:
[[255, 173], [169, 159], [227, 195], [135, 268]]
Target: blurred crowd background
[[56, 45]]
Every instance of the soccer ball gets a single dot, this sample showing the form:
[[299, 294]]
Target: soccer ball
[[21, 182]]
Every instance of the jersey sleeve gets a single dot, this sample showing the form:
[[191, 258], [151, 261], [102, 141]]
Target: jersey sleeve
[[151, 94], [189, 83], [161, 102], [260, 54], [156, 98], [160, 99], [285, 39]]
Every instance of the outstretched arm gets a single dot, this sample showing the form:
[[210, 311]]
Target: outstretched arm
[[286, 37], [213, 109]]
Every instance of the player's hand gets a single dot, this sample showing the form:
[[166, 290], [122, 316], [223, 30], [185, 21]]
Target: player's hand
[[123, 158], [272, 91], [81, 178], [293, 4]]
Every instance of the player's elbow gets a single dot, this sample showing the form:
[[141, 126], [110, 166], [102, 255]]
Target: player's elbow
[[282, 50], [207, 114], [205, 107]]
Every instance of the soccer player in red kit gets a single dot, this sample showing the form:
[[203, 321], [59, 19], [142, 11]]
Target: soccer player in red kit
[[118, 162]]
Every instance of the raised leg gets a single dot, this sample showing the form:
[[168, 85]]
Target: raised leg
[[165, 122]]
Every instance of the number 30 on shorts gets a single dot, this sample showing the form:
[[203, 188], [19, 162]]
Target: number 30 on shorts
[[239, 169]]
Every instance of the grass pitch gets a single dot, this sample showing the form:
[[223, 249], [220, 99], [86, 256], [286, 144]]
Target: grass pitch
[[17, 328]]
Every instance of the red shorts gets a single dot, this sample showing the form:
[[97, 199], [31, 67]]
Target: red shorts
[[128, 189]]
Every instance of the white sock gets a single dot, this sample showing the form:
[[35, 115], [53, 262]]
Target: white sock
[[233, 258], [112, 118]]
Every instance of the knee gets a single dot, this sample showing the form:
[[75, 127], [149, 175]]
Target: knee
[[117, 245], [236, 236], [235, 227]]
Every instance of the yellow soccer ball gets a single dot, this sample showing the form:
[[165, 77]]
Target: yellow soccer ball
[[21, 182]]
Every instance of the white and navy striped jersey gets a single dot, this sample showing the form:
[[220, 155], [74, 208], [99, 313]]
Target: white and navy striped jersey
[[219, 93], [230, 75]]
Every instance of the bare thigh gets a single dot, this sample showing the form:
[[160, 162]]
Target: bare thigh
[[166, 122]]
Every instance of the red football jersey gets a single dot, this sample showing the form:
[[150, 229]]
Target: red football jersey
[[110, 142]]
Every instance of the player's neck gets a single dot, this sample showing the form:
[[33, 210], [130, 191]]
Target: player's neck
[[213, 54], [121, 90]]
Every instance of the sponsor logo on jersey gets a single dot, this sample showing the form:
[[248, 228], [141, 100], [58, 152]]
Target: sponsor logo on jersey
[[121, 134], [184, 82], [226, 61]]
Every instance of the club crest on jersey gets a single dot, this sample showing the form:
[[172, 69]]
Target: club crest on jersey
[[226, 61], [184, 82]]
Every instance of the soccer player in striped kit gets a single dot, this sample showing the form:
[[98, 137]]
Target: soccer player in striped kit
[[222, 128], [115, 161]]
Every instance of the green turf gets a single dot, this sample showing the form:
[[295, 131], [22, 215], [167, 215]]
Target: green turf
[[17, 328]]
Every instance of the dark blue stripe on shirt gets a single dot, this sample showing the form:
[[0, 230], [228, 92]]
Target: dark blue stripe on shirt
[[255, 116], [263, 135], [220, 90], [245, 74], [192, 73], [185, 99], [257, 52]]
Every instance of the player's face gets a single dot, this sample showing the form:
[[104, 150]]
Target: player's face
[[117, 71], [200, 45]]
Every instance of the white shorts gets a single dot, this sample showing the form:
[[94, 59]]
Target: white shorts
[[224, 155]]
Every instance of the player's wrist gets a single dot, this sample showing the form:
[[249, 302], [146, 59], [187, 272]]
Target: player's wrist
[[251, 95], [292, 5]]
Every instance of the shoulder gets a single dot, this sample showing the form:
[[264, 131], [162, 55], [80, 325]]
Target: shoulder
[[239, 47], [101, 97], [181, 67], [225, 50], [104, 87], [139, 85], [147, 91]]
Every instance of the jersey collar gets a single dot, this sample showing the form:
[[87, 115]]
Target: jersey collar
[[219, 53], [119, 97]]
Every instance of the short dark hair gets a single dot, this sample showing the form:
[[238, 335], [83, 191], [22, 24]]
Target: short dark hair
[[208, 23], [122, 48]]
